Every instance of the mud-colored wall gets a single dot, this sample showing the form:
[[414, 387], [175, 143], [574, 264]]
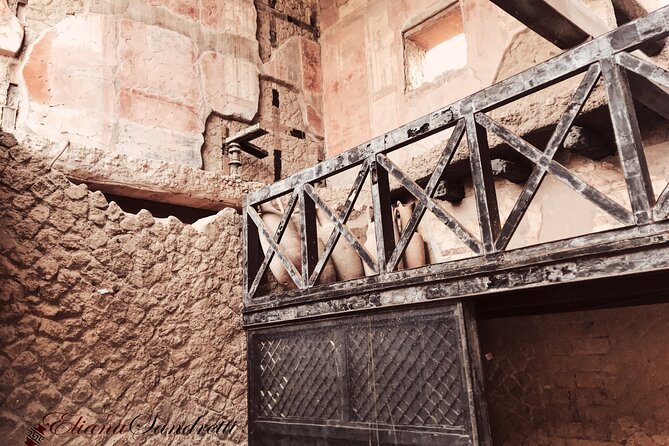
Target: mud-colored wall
[[110, 316]]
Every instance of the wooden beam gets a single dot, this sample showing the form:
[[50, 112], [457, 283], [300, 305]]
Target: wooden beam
[[627, 251], [425, 199], [661, 211], [546, 21], [557, 138], [425, 202], [566, 23], [273, 241], [340, 228], [558, 170], [539, 15], [648, 70], [252, 254], [339, 225], [383, 216], [628, 10], [580, 15], [472, 356], [308, 233], [649, 83]]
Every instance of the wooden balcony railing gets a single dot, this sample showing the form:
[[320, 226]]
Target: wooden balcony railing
[[610, 57]]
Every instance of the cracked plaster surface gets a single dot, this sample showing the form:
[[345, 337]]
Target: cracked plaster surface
[[141, 79]]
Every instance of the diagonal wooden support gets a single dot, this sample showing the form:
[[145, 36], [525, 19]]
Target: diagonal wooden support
[[308, 234], [557, 138], [558, 170], [647, 93], [343, 217], [421, 206], [628, 140], [253, 216], [661, 211], [341, 229], [484, 183], [468, 238], [644, 68], [649, 83]]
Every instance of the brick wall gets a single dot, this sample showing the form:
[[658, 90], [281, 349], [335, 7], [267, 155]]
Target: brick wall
[[595, 378]]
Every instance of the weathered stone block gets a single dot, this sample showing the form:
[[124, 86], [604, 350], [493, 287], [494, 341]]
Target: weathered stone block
[[231, 85]]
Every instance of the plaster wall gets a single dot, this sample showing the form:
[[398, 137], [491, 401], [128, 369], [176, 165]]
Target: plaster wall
[[363, 63], [363, 59]]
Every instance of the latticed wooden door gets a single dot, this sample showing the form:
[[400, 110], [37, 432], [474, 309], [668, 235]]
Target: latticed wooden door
[[387, 378]]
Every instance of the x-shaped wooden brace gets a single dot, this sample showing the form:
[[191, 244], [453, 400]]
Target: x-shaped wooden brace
[[539, 173], [659, 76], [425, 199], [339, 225], [273, 242], [544, 163]]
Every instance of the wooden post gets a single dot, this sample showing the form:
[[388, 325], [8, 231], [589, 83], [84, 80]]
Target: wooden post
[[308, 236], [252, 253], [383, 216], [628, 140], [484, 183]]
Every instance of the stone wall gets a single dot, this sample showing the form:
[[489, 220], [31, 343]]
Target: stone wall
[[141, 78], [594, 378], [109, 316], [162, 82]]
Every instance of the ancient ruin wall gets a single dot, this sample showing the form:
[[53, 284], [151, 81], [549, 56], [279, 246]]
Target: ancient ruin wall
[[147, 86], [110, 316]]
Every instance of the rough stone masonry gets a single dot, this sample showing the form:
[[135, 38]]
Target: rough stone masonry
[[112, 315]]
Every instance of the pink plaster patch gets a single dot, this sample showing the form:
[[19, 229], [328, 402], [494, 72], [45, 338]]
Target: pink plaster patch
[[159, 112], [184, 8], [158, 61], [314, 120], [230, 16], [74, 70], [311, 66], [111, 83], [35, 69]]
